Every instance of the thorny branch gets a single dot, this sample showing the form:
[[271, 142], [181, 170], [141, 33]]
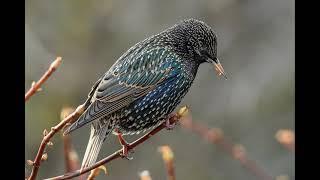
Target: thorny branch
[[181, 113], [215, 136], [35, 87]]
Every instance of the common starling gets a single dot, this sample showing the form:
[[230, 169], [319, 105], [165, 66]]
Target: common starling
[[146, 83]]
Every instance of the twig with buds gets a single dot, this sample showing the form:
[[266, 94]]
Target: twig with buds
[[215, 136], [35, 86], [46, 140], [175, 118]]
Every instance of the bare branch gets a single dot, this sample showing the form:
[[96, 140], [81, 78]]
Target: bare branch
[[48, 136], [131, 146], [215, 136], [35, 87]]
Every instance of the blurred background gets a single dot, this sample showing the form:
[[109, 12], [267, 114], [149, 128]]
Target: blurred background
[[255, 45]]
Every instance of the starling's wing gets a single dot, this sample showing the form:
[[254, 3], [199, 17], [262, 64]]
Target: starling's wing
[[127, 81], [91, 93]]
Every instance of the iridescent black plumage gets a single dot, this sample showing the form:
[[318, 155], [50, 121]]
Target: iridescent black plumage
[[146, 83]]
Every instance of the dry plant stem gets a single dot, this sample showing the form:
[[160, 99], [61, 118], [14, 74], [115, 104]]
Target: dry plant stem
[[290, 147], [117, 154], [72, 163], [170, 170], [227, 146], [35, 87], [167, 156], [46, 139], [70, 155]]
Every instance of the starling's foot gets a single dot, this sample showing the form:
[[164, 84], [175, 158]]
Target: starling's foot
[[125, 152], [168, 124]]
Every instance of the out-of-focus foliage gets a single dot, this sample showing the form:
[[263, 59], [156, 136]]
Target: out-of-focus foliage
[[255, 45]]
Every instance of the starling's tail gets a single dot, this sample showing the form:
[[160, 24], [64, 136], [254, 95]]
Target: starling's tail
[[94, 145]]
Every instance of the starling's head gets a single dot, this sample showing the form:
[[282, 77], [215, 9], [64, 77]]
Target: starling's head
[[201, 42]]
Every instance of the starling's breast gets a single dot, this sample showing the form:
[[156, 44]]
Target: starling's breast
[[152, 109]]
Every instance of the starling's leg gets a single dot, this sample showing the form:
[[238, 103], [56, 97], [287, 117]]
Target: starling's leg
[[124, 145], [168, 125]]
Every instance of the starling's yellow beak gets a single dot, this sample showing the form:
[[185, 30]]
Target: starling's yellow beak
[[218, 67]]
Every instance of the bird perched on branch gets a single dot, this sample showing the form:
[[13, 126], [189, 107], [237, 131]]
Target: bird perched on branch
[[146, 84]]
